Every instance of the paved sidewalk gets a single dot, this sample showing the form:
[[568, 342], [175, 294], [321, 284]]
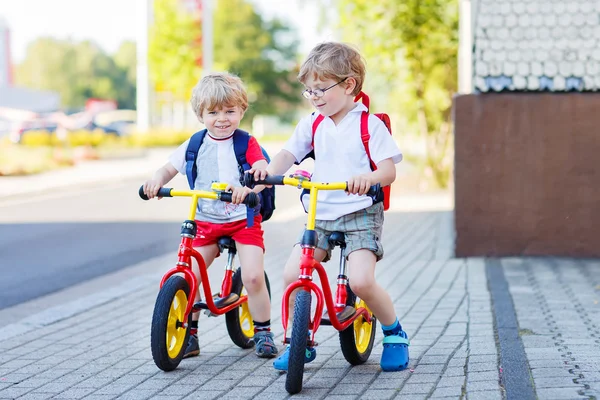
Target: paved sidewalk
[[480, 329]]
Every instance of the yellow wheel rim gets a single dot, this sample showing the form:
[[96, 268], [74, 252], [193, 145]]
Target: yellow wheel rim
[[362, 329], [175, 320], [246, 318]]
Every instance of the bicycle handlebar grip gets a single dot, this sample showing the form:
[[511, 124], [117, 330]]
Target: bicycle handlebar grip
[[250, 182], [162, 192], [251, 199]]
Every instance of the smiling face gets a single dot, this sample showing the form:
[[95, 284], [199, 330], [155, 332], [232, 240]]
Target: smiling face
[[222, 121], [337, 101]]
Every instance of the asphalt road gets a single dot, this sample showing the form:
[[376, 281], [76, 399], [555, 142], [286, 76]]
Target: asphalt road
[[50, 242]]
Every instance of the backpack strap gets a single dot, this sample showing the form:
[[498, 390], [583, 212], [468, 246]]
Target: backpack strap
[[365, 136], [315, 125], [240, 147], [191, 154]]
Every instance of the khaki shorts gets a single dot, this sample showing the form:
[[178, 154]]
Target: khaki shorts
[[362, 230]]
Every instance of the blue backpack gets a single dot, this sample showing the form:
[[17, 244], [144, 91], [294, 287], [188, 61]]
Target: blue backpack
[[240, 146]]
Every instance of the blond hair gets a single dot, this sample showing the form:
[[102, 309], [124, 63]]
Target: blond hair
[[218, 90], [336, 61]]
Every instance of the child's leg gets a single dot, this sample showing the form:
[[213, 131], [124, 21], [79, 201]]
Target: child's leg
[[252, 260], [253, 277], [361, 274]]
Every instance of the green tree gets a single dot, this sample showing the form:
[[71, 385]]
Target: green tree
[[411, 47], [262, 53], [174, 49], [77, 71]]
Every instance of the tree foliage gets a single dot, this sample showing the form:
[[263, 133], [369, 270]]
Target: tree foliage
[[262, 53], [411, 47], [78, 71]]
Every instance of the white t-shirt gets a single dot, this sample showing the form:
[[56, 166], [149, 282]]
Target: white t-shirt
[[340, 155], [216, 162]]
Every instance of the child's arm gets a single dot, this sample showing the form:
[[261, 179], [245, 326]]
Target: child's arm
[[384, 175], [239, 193], [160, 178], [279, 165]]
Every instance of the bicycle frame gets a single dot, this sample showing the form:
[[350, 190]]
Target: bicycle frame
[[308, 264], [186, 252]]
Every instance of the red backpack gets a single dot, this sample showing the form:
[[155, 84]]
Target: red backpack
[[365, 136]]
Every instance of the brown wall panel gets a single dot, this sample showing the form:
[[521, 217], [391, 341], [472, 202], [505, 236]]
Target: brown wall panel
[[527, 174]]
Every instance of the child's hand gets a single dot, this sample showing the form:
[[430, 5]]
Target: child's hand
[[259, 173], [360, 184], [151, 188], [238, 194]]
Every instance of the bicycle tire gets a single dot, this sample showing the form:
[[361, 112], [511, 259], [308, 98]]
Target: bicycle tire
[[240, 325], [167, 340], [358, 338], [295, 372]]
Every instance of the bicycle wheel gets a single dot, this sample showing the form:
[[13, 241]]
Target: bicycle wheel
[[295, 373], [358, 338], [168, 336], [239, 320]]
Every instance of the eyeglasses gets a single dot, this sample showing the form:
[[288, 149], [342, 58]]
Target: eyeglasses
[[319, 92]]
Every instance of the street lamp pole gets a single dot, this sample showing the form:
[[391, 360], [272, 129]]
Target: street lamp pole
[[207, 36]]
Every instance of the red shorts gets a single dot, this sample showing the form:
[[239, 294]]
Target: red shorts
[[209, 233]]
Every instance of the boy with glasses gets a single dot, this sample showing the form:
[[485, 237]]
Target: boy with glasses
[[333, 75]]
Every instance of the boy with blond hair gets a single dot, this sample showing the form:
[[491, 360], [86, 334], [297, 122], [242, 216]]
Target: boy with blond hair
[[219, 101], [333, 75]]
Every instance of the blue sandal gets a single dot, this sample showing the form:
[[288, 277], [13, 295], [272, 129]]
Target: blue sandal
[[281, 362], [395, 352]]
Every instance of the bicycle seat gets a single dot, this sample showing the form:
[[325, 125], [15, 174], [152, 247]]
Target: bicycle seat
[[226, 242], [337, 239]]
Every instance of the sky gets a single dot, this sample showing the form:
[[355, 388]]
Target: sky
[[109, 22]]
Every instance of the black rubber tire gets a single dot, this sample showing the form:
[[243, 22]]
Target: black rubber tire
[[232, 318], [160, 321], [350, 350], [295, 373]]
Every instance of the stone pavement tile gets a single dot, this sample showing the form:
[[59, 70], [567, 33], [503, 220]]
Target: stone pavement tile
[[448, 391], [374, 394], [348, 388], [475, 386], [556, 382], [112, 389], [93, 382], [219, 384], [94, 396], [489, 395], [247, 393], [451, 381], [417, 388], [158, 396], [204, 395], [14, 392], [550, 372], [342, 396], [480, 367], [454, 371], [281, 395], [559, 393], [485, 358], [137, 394], [259, 381], [73, 393], [428, 368], [176, 389], [423, 378], [484, 376]]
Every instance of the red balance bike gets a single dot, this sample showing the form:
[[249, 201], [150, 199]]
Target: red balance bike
[[345, 312], [175, 301]]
